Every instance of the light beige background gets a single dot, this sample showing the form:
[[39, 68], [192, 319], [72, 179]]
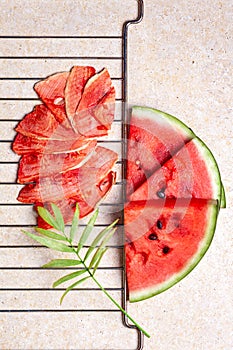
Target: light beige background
[[180, 61]]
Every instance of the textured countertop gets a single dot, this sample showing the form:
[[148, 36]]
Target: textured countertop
[[180, 61]]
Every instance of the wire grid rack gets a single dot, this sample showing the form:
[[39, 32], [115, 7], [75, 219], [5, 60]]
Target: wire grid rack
[[30, 315]]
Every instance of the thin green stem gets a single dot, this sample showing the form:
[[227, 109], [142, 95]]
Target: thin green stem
[[47, 217], [119, 307], [109, 296]]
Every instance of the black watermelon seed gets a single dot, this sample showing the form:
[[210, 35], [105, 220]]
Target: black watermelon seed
[[153, 237], [161, 193], [166, 249], [159, 224]]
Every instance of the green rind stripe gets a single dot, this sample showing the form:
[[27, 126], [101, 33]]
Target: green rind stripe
[[223, 203], [212, 167], [172, 119], [146, 293]]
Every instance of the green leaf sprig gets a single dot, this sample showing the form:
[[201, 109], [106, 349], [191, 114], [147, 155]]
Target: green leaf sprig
[[88, 264]]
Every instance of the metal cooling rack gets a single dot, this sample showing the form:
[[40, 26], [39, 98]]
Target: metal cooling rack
[[23, 300]]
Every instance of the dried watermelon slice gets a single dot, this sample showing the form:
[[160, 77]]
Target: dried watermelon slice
[[84, 183], [77, 79], [42, 124], [35, 165], [26, 145], [89, 126], [95, 89], [75, 95], [39, 123], [51, 92], [105, 109], [68, 206], [98, 95]]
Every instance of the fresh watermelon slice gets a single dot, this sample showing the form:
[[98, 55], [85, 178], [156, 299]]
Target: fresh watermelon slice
[[35, 165], [182, 176], [52, 92], [76, 82], [84, 183], [171, 216], [166, 240], [154, 137]]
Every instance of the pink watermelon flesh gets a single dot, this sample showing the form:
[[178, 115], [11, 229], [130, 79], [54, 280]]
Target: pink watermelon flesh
[[154, 137], [170, 239], [191, 172]]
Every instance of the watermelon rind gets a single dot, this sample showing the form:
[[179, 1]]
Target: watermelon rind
[[149, 292], [152, 113], [212, 167], [223, 203]]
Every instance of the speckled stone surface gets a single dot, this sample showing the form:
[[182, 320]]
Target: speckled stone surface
[[180, 61]]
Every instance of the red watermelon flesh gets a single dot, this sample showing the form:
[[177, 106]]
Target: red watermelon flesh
[[182, 176], [52, 92], [76, 82], [173, 238], [154, 137], [84, 182], [35, 165]]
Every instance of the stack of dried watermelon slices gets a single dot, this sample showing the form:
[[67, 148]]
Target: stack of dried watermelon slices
[[174, 193], [60, 161]]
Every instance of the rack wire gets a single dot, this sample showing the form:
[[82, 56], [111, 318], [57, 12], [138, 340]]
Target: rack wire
[[30, 316]]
